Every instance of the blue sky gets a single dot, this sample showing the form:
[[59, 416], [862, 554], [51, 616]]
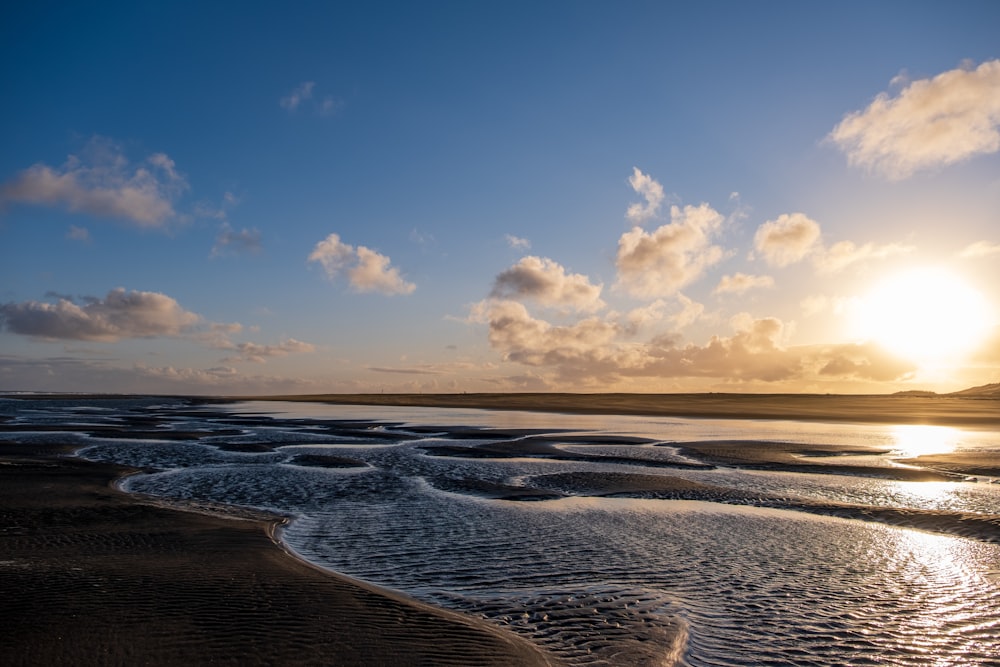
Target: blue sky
[[475, 196]]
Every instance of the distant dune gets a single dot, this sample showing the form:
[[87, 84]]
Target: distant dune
[[985, 391]]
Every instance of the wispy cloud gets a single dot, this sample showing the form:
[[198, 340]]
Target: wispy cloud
[[366, 269], [231, 241], [980, 249], [101, 182], [517, 243], [301, 93], [931, 122], [738, 283], [845, 253], [81, 234], [259, 354], [304, 93]]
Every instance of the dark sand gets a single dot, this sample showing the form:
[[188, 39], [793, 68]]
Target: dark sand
[[92, 576]]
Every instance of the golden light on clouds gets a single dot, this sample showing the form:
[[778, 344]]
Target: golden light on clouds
[[926, 315]]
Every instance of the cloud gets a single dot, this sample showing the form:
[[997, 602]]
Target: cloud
[[367, 270], [658, 263], [651, 191], [301, 93], [230, 241], [841, 255], [685, 314], [305, 92], [259, 354], [739, 283], [547, 283], [78, 234], [517, 243], [980, 249], [932, 122], [329, 105], [102, 183], [795, 237], [119, 315], [788, 239], [595, 351]]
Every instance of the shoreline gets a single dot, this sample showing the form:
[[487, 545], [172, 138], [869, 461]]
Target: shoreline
[[94, 575], [939, 410]]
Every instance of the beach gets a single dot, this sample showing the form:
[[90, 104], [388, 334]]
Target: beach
[[493, 536], [92, 576], [945, 410]]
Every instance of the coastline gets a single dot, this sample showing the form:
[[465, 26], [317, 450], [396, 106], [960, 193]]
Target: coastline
[[939, 410], [96, 576]]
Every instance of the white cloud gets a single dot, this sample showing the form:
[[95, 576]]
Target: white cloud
[[841, 255], [738, 283], [980, 249], [231, 241], [367, 270], [651, 191], [932, 122], [258, 354], [301, 93], [119, 315], [517, 243], [547, 282], [788, 239], [78, 234], [658, 263], [102, 183]]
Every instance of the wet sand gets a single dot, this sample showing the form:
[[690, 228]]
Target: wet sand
[[939, 410], [92, 576], [944, 410]]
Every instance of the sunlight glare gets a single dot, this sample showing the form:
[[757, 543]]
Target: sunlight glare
[[912, 440], [925, 315]]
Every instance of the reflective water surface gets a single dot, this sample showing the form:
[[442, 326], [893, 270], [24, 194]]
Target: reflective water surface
[[607, 540]]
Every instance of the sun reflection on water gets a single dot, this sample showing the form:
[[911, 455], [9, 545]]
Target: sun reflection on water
[[912, 440]]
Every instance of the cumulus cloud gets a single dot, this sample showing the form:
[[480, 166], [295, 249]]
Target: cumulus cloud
[[652, 193], [931, 122], [980, 249], [301, 93], [738, 283], [367, 270], [117, 316], [795, 237], [546, 282], [594, 350], [101, 182], [787, 239], [685, 312], [658, 263], [230, 241], [517, 243]]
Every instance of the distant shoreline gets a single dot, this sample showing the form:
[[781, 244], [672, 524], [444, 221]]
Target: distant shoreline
[[942, 410], [967, 408]]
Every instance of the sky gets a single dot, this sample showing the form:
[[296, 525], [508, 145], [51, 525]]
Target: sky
[[318, 197]]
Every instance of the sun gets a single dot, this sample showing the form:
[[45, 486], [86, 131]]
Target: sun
[[926, 315]]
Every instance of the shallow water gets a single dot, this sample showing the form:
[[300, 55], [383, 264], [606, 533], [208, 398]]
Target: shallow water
[[748, 575]]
